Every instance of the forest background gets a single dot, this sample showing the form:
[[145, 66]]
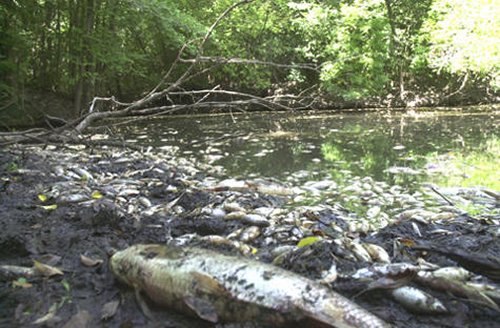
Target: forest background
[[57, 55]]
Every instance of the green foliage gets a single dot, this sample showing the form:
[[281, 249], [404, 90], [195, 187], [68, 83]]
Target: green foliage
[[351, 41], [364, 48], [463, 37], [259, 31], [115, 47], [358, 51]]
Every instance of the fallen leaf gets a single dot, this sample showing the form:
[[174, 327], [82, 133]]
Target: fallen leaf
[[50, 207], [96, 195], [89, 262], [21, 282], [308, 241], [109, 310], [48, 317], [79, 320], [47, 270], [42, 197]]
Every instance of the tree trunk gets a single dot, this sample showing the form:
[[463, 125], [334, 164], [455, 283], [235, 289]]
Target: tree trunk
[[84, 66], [395, 50]]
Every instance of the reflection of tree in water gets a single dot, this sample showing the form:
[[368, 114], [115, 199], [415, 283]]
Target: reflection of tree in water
[[369, 151], [365, 153], [283, 156], [361, 144]]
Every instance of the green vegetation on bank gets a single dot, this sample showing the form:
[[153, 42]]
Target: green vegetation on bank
[[404, 50]]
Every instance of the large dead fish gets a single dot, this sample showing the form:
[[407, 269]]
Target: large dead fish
[[221, 288]]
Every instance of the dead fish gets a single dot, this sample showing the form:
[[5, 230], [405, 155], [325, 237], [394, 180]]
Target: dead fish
[[416, 300], [11, 272], [377, 253], [385, 270], [128, 192], [456, 273], [84, 174], [220, 288], [233, 207], [457, 287], [74, 198], [145, 202], [359, 251], [249, 234], [235, 215], [256, 219]]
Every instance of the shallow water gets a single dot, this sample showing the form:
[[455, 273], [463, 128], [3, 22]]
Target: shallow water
[[449, 148]]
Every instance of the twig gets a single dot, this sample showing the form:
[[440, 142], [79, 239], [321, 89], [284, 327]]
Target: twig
[[442, 196]]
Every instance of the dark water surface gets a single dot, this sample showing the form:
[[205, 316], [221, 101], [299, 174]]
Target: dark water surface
[[400, 147]]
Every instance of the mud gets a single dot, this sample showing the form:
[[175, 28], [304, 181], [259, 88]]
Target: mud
[[90, 297]]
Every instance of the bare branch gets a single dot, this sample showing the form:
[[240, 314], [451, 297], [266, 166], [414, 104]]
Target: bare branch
[[155, 95], [462, 86], [232, 93], [70, 133], [223, 60], [112, 99]]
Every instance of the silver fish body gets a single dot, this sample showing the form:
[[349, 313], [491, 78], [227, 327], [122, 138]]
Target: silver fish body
[[418, 301], [221, 288]]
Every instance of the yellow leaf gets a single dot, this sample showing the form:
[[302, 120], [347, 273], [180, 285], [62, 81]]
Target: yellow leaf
[[50, 207], [47, 270], [42, 197], [96, 195], [308, 241]]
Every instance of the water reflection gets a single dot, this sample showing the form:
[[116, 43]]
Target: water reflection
[[397, 148]]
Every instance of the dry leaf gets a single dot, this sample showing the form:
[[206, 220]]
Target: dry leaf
[[89, 262], [47, 270], [109, 310]]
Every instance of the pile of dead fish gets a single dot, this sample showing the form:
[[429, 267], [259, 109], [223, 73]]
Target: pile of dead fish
[[285, 223]]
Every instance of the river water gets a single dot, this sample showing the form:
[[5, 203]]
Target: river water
[[459, 147]]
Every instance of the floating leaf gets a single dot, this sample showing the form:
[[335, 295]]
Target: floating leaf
[[96, 195], [21, 282], [50, 207], [47, 270], [42, 197], [308, 241]]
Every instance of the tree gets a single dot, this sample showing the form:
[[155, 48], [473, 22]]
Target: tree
[[463, 38]]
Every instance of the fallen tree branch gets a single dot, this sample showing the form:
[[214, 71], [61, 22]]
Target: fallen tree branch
[[155, 95], [171, 91], [462, 86]]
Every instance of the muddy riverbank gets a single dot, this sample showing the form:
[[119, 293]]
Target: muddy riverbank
[[69, 208]]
